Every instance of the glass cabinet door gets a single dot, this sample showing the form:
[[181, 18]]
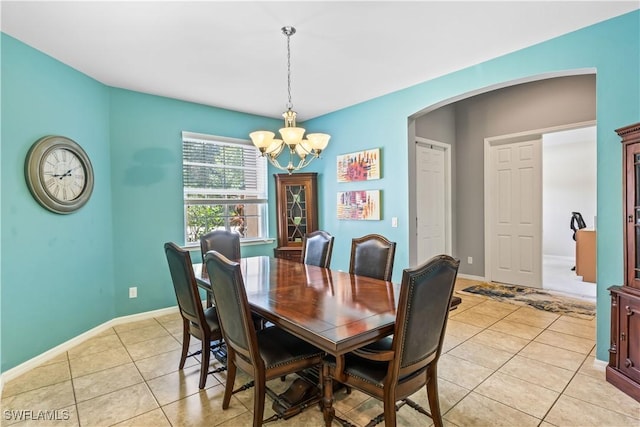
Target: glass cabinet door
[[632, 197], [296, 212], [297, 209]]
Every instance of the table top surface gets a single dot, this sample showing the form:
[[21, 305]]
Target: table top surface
[[336, 311]]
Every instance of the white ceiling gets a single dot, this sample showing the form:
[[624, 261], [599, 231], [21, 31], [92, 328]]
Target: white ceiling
[[233, 55]]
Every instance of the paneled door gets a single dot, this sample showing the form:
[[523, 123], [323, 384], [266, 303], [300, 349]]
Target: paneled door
[[515, 201], [432, 199]]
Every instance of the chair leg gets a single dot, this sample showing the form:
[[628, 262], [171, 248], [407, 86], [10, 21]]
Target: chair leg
[[432, 394], [231, 379], [186, 338], [389, 410], [204, 366], [258, 399]]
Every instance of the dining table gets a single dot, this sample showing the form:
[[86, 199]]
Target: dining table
[[336, 311]]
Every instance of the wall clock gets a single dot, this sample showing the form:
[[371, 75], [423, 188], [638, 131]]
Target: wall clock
[[59, 174]]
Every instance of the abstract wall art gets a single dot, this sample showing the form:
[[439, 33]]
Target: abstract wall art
[[359, 205], [359, 166]]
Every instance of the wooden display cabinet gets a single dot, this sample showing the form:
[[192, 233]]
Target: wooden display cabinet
[[297, 212], [623, 370]]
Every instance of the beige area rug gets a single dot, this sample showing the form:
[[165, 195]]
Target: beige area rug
[[536, 298]]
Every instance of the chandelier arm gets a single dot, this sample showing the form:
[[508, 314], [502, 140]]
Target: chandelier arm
[[305, 162], [274, 162]]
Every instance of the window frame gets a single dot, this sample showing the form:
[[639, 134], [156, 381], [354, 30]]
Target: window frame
[[261, 200]]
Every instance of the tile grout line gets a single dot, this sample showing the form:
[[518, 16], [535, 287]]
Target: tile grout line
[[507, 361]]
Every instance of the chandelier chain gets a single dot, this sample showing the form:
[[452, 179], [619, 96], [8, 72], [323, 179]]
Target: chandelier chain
[[289, 104]]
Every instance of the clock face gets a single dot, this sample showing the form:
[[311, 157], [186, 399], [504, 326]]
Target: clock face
[[64, 174], [59, 174]]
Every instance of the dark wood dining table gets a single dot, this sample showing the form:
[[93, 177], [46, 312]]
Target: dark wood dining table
[[335, 311]]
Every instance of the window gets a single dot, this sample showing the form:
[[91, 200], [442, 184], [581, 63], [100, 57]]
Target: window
[[224, 183]]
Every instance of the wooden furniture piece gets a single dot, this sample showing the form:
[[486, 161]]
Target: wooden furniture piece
[[623, 370], [396, 367], [224, 241], [372, 256], [297, 212], [332, 316], [265, 354], [586, 255], [202, 324], [317, 247]]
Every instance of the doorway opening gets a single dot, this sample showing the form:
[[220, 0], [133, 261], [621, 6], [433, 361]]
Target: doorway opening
[[533, 182], [433, 198], [569, 167]]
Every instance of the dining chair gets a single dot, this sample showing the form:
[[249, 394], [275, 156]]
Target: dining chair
[[196, 321], [316, 248], [263, 354], [224, 241], [372, 256], [397, 366]]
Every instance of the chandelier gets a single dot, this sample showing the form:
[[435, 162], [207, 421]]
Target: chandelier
[[301, 151]]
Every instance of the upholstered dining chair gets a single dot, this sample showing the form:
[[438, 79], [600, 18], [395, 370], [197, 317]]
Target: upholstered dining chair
[[316, 248], [397, 366], [263, 354], [196, 321], [224, 241], [372, 256]]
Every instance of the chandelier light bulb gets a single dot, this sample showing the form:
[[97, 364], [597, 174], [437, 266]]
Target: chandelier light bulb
[[318, 141], [262, 138]]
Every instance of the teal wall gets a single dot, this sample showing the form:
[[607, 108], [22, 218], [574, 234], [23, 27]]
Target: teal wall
[[612, 48], [57, 270], [146, 172], [72, 272]]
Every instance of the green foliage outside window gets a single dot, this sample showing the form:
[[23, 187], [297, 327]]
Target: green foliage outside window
[[203, 218]]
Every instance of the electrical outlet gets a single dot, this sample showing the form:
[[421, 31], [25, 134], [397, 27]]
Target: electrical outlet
[[133, 292], [394, 221], [470, 260]]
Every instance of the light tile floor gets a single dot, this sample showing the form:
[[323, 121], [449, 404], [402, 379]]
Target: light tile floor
[[502, 365]]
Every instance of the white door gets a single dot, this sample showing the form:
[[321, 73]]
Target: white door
[[432, 196], [516, 212]]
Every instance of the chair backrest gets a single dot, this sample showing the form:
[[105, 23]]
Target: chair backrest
[[223, 241], [423, 306], [184, 283], [372, 256], [232, 305], [316, 248]]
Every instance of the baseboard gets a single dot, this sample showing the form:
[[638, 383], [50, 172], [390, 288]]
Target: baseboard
[[67, 345], [600, 365], [571, 259], [471, 277]]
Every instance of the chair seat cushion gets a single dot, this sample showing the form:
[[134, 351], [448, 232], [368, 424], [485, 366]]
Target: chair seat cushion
[[371, 371], [211, 316], [278, 347], [381, 345]]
